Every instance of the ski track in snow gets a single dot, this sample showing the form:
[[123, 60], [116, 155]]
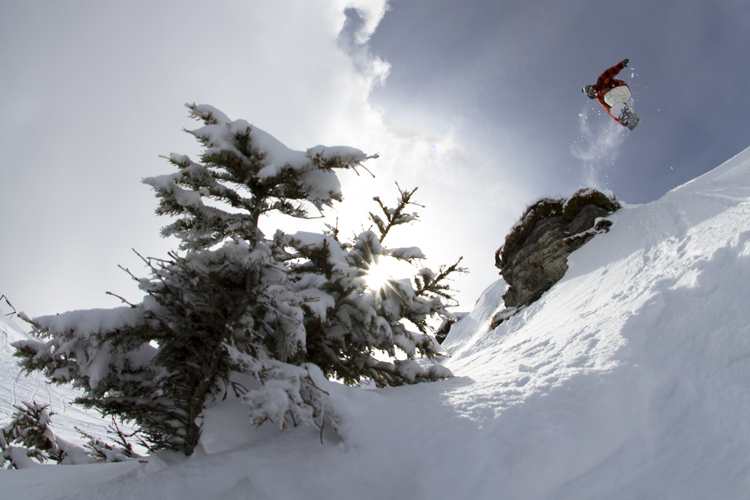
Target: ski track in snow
[[627, 380]]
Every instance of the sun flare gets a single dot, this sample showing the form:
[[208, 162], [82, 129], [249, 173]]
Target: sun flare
[[377, 276], [384, 270]]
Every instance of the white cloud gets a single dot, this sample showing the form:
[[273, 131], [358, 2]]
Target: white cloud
[[95, 95]]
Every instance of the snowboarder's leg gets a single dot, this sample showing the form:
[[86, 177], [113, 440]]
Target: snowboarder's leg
[[617, 109], [619, 94], [617, 99]]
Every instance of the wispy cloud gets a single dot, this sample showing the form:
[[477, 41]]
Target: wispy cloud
[[353, 38]]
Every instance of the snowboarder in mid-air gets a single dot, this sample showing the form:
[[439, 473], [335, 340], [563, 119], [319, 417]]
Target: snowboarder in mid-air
[[613, 95]]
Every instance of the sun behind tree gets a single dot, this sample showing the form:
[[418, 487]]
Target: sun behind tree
[[235, 312]]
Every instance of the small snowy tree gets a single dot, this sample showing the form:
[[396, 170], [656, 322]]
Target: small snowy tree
[[237, 311], [29, 440]]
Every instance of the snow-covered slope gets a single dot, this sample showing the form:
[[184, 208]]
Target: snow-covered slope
[[628, 379]]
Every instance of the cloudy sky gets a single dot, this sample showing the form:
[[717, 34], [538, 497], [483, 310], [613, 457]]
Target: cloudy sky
[[476, 102]]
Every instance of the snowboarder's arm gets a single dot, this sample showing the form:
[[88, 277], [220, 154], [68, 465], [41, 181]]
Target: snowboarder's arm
[[609, 74]]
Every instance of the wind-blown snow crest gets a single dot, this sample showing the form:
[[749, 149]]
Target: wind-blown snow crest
[[628, 379]]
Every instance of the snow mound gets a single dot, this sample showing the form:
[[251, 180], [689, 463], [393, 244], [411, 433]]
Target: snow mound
[[628, 379]]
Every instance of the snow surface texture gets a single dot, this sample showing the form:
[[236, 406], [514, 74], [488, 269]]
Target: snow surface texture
[[627, 380]]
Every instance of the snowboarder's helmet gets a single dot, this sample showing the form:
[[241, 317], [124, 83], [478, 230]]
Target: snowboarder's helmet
[[589, 91]]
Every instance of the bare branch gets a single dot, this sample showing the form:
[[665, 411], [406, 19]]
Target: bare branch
[[11, 305]]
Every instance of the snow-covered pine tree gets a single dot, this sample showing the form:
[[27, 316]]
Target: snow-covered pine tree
[[236, 311]]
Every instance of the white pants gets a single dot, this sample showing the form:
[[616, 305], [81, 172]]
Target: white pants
[[617, 94], [616, 98]]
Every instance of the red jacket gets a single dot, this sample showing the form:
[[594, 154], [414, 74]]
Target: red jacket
[[607, 82]]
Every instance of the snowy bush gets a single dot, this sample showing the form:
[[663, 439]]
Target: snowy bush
[[235, 311], [28, 440]]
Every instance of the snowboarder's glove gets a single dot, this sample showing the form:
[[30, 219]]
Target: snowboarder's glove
[[626, 61]]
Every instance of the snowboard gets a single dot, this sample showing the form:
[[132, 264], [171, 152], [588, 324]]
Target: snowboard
[[628, 118]]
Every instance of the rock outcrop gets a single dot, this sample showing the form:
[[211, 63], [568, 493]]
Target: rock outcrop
[[535, 254], [445, 328]]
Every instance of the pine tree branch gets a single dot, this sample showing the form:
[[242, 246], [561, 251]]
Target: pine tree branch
[[11, 305], [122, 299], [396, 216]]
